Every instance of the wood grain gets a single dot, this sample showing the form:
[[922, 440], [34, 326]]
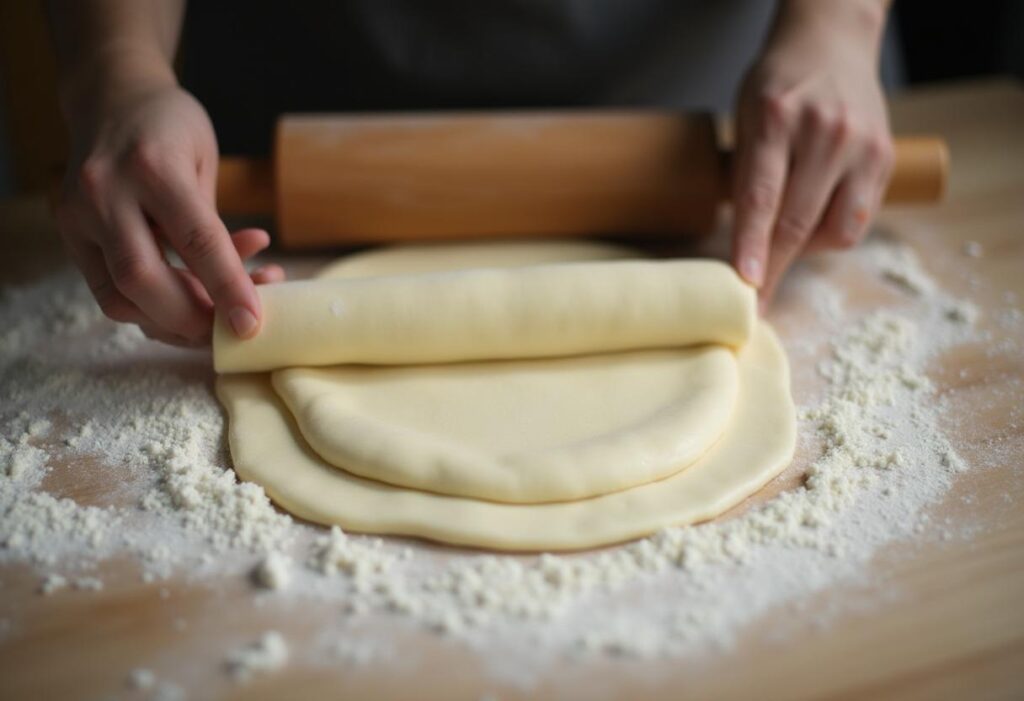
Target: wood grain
[[953, 627], [642, 174], [354, 179]]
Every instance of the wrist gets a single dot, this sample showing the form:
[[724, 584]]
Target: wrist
[[857, 22], [111, 77]]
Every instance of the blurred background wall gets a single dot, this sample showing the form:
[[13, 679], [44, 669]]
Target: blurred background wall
[[936, 41]]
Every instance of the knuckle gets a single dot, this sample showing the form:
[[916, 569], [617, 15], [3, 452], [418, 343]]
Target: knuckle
[[760, 196], [148, 160], [115, 310], [131, 273], [841, 127], [791, 230], [878, 149], [199, 241], [775, 108], [833, 124], [110, 302], [818, 116], [92, 178]]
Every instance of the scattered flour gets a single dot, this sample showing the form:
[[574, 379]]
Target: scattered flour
[[354, 652], [972, 249], [145, 680], [207, 498], [335, 552], [273, 572], [168, 691], [113, 445], [52, 583], [898, 265], [268, 654], [141, 679], [88, 584]]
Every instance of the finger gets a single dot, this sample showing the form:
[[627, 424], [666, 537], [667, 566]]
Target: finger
[[138, 269], [757, 191], [856, 200], [155, 333], [90, 261], [207, 161], [816, 168], [846, 220], [174, 199], [249, 242], [268, 274], [195, 287]]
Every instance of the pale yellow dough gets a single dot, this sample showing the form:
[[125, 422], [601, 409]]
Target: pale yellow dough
[[515, 431], [684, 433], [518, 431], [268, 449], [487, 312]]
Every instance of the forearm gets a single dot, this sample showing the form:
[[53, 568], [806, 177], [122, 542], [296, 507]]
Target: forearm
[[105, 47]]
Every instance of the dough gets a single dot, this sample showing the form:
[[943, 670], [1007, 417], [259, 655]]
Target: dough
[[526, 431], [517, 431], [494, 313], [268, 449]]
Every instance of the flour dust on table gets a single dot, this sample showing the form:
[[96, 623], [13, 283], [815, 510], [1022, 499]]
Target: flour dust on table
[[113, 447]]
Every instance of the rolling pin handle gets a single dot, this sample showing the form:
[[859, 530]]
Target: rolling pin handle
[[920, 170], [245, 186]]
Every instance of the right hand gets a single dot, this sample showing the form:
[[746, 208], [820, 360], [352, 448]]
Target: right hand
[[143, 174]]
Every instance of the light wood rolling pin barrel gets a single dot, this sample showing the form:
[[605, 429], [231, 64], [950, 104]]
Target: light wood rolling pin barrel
[[373, 178]]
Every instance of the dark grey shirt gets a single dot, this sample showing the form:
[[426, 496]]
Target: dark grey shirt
[[249, 62]]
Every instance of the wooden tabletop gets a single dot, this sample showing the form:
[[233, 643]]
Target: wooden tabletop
[[958, 632]]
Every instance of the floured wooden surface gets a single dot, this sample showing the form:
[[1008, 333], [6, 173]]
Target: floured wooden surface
[[941, 596]]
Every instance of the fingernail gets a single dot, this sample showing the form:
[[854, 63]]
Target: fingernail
[[751, 270], [243, 322]]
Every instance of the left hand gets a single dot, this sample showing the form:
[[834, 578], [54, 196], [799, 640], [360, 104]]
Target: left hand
[[814, 150]]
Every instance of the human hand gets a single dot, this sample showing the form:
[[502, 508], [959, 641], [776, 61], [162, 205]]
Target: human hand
[[143, 174], [813, 150]]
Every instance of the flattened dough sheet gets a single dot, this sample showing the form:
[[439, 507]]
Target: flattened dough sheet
[[518, 431], [268, 449]]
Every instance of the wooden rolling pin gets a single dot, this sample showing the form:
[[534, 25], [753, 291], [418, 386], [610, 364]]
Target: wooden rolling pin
[[358, 179]]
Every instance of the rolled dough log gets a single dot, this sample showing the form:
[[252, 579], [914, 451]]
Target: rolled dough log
[[494, 313]]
